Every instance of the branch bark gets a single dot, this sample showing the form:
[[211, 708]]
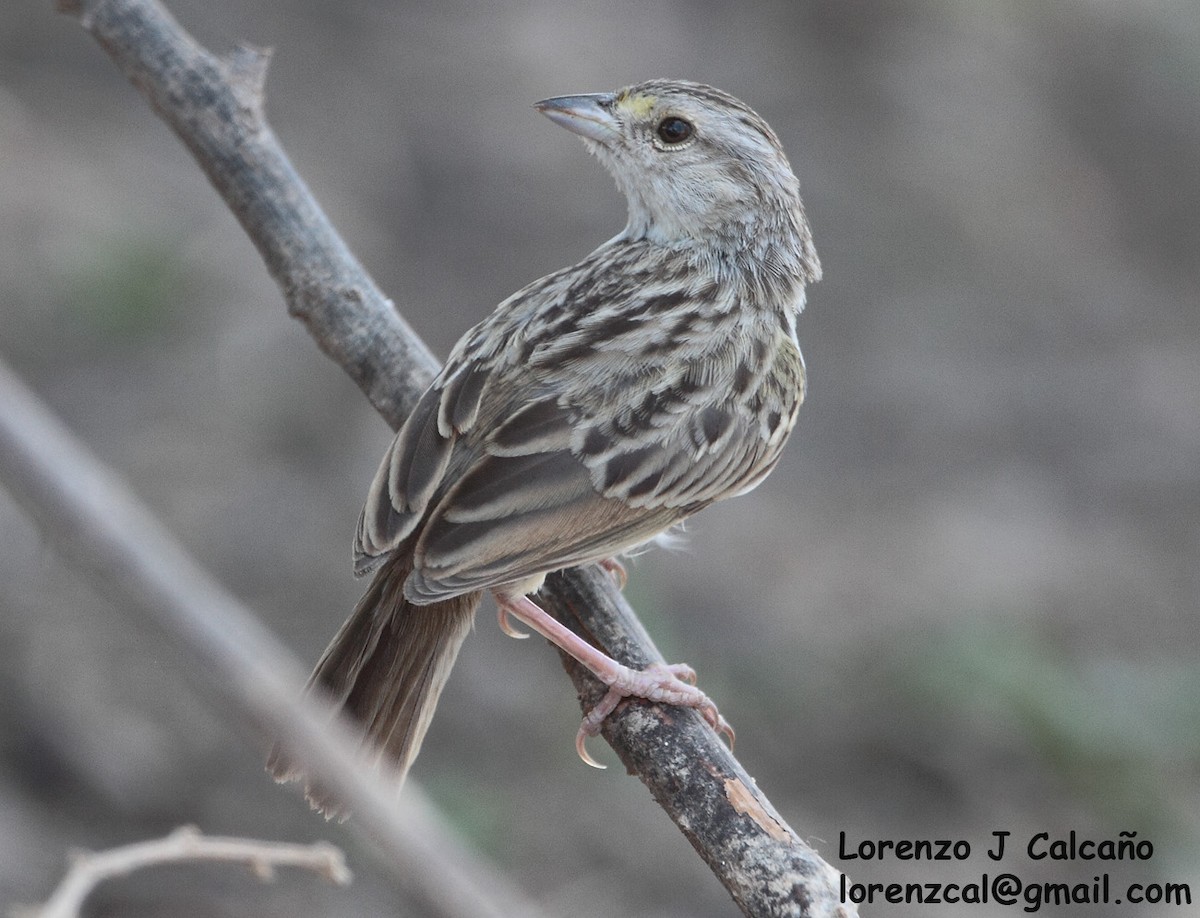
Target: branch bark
[[215, 106]]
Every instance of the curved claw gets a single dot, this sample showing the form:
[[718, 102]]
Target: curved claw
[[506, 626], [724, 730], [616, 570], [682, 671], [590, 725], [581, 748]]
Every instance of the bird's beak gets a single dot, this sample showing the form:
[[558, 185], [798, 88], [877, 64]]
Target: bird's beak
[[588, 116]]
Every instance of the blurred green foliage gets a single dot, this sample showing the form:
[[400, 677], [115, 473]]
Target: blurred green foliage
[[1120, 735], [125, 287], [480, 814]]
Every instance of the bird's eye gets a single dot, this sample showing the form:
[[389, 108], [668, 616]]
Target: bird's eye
[[674, 130]]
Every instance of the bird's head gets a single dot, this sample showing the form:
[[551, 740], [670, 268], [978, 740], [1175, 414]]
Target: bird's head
[[693, 162]]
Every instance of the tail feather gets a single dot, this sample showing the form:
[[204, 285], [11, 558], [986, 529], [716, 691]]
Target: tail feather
[[386, 667]]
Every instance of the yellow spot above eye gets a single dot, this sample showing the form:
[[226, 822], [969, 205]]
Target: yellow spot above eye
[[639, 105]]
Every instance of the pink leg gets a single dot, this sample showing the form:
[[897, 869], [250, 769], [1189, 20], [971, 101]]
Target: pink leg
[[659, 682]]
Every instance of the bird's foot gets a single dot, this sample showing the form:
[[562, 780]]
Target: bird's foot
[[660, 683], [616, 570], [664, 683], [506, 626]]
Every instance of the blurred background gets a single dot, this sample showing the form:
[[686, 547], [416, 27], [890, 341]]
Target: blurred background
[[966, 601]]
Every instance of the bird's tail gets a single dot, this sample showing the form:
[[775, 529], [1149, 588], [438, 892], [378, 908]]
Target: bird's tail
[[386, 667]]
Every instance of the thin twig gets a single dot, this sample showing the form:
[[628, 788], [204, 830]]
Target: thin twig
[[215, 106], [185, 845]]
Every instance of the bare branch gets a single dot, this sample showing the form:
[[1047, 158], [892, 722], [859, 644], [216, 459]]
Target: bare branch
[[185, 845], [102, 528], [215, 106]]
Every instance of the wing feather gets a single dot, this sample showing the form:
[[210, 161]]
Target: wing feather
[[553, 528], [525, 505], [460, 399], [540, 426], [409, 474]]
